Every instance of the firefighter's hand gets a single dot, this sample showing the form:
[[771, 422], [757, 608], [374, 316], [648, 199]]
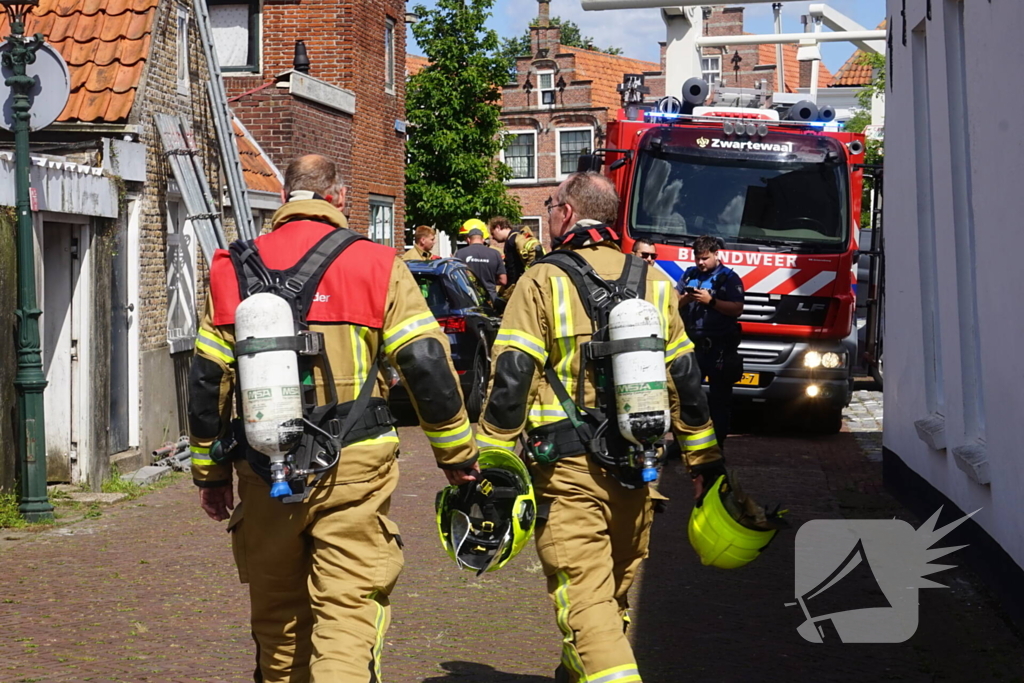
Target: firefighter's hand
[[460, 477], [217, 502], [702, 296], [705, 475]]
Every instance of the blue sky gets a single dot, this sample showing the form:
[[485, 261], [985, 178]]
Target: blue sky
[[637, 32]]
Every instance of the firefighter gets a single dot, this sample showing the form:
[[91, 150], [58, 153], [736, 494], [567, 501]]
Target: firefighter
[[597, 528], [486, 265], [518, 247], [422, 244], [710, 301], [320, 570]]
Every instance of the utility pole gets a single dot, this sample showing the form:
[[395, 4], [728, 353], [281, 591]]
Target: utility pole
[[29, 380]]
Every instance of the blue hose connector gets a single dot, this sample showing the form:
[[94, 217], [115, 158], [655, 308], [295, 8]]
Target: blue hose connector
[[649, 474], [280, 489]]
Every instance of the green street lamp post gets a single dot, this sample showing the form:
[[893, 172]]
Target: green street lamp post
[[29, 380]]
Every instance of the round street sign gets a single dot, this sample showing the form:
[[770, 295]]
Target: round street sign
[[49, 95]]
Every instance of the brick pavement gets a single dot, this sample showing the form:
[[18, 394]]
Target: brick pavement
[[147, 593]]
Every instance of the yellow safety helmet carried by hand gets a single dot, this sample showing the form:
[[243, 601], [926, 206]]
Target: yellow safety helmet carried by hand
[[474, 224], [719, 539], [485, 523]]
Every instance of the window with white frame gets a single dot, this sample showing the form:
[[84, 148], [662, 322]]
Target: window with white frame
[[711, 68], [382, 219], [389, 55], [521, 155], [571, 143], [183, 79], [235, 27], [546, 87]]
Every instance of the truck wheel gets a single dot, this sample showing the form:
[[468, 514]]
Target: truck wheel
[[476, 391], [824, 419], [876, 371]]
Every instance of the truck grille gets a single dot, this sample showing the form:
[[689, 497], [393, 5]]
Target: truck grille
[[785, 310], [764, 352], [757, 308]]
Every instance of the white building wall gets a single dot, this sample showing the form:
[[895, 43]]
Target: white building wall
[[954, 217]]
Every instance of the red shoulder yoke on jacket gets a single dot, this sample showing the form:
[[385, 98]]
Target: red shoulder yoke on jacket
[[353, 290]]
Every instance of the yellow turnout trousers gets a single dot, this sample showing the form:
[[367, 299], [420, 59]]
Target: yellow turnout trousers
[[595, 537], [319, 575]]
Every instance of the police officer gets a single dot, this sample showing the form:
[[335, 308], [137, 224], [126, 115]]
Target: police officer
[[711, 300], [518, 247], [596, 530], [422, 245], [320, 571]]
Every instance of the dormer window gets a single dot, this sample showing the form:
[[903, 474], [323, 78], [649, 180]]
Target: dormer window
[[546, 87]]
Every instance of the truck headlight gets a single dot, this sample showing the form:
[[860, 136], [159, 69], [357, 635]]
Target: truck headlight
[[832, 360], [812, 359]]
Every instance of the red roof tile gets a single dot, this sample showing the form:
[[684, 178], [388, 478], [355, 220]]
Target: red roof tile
[[105, 43], [257, 169], [415, 64], [766, 55], [605, 71], [854, 72]]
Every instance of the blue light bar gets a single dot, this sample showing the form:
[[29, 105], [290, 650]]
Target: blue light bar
[[662, 115]]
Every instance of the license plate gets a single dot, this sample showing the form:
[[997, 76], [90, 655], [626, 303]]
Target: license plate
[[750, 379]]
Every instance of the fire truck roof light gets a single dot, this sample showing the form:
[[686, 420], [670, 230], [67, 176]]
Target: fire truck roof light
[[663, 115]]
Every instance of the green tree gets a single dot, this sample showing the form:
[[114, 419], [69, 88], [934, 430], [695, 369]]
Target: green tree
[[875, 153], [511, 48], [453, 172]]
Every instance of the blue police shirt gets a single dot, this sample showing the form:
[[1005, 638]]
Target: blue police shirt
[[725, 285]]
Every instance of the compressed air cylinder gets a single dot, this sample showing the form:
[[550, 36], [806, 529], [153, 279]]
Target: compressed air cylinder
[[641, 392], [269, 383]]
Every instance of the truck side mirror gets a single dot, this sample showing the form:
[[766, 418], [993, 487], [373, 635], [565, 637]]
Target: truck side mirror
[[589, 163]]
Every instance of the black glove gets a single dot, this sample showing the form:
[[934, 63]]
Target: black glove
[[710, 471]]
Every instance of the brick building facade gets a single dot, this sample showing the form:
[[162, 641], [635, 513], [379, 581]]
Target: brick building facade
[[747, 66], [350, 105], [162, 219], [559, 105]]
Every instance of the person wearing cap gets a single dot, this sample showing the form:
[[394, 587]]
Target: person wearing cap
[[483, 261], [473, 224], [422, 243]]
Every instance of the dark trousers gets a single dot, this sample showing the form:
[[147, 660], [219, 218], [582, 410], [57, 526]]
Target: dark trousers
[[720, 362]]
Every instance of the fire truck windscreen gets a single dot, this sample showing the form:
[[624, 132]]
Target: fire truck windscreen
[[769, 192]]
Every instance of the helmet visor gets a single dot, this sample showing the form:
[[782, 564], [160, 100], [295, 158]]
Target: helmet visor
[[460, 528], [497, 554]]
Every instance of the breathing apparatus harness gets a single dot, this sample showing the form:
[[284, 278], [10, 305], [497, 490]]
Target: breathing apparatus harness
[[327, 428], [595, 432], [515, 266]]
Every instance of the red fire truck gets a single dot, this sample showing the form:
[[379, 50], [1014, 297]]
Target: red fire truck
[[785, 197]]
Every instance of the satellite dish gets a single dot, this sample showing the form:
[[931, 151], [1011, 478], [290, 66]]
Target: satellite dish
[[49, 95]]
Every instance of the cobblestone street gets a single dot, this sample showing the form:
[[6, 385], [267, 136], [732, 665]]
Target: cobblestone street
[[147, 591]]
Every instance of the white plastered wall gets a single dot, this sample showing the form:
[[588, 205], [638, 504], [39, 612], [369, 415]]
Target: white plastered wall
[[954, 321]]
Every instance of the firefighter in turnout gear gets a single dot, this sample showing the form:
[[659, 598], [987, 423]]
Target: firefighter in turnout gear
[[519, 249], [422, 245], [598, 513], [321, 565]]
